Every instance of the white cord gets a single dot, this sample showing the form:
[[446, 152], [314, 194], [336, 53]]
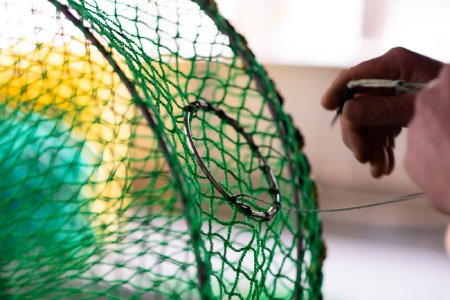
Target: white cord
[[407, 87]]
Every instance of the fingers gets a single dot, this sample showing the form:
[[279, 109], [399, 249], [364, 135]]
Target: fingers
[[380, 67], [369, 126], [397, 63], [382, 161], [378, 162], [371, 120], [332, 96], [373, 145], [372, 110], [355, 138]]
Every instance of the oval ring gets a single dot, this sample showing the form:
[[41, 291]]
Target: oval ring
[[246, 209]]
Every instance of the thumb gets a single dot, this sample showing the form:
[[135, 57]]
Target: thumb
[[372, 110]]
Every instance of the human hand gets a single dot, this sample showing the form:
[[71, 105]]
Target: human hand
[[373, 118], [427, 157]]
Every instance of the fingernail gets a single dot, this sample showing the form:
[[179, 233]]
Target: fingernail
[[355, 110]]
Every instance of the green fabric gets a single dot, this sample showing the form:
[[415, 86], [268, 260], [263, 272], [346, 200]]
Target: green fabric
[[101, 196]]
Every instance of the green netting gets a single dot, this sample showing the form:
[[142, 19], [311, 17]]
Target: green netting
[[101, 196]]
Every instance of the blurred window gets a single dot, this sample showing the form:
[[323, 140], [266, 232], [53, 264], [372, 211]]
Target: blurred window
[[340, 33]]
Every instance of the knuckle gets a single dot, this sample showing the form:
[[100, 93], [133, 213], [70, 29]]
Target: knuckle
[[345, 75], [400, 57], [398, 51]]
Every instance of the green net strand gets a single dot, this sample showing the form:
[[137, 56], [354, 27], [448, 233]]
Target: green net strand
[[102, 193]]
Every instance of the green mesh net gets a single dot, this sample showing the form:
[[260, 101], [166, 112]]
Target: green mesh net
[[145, 154]]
